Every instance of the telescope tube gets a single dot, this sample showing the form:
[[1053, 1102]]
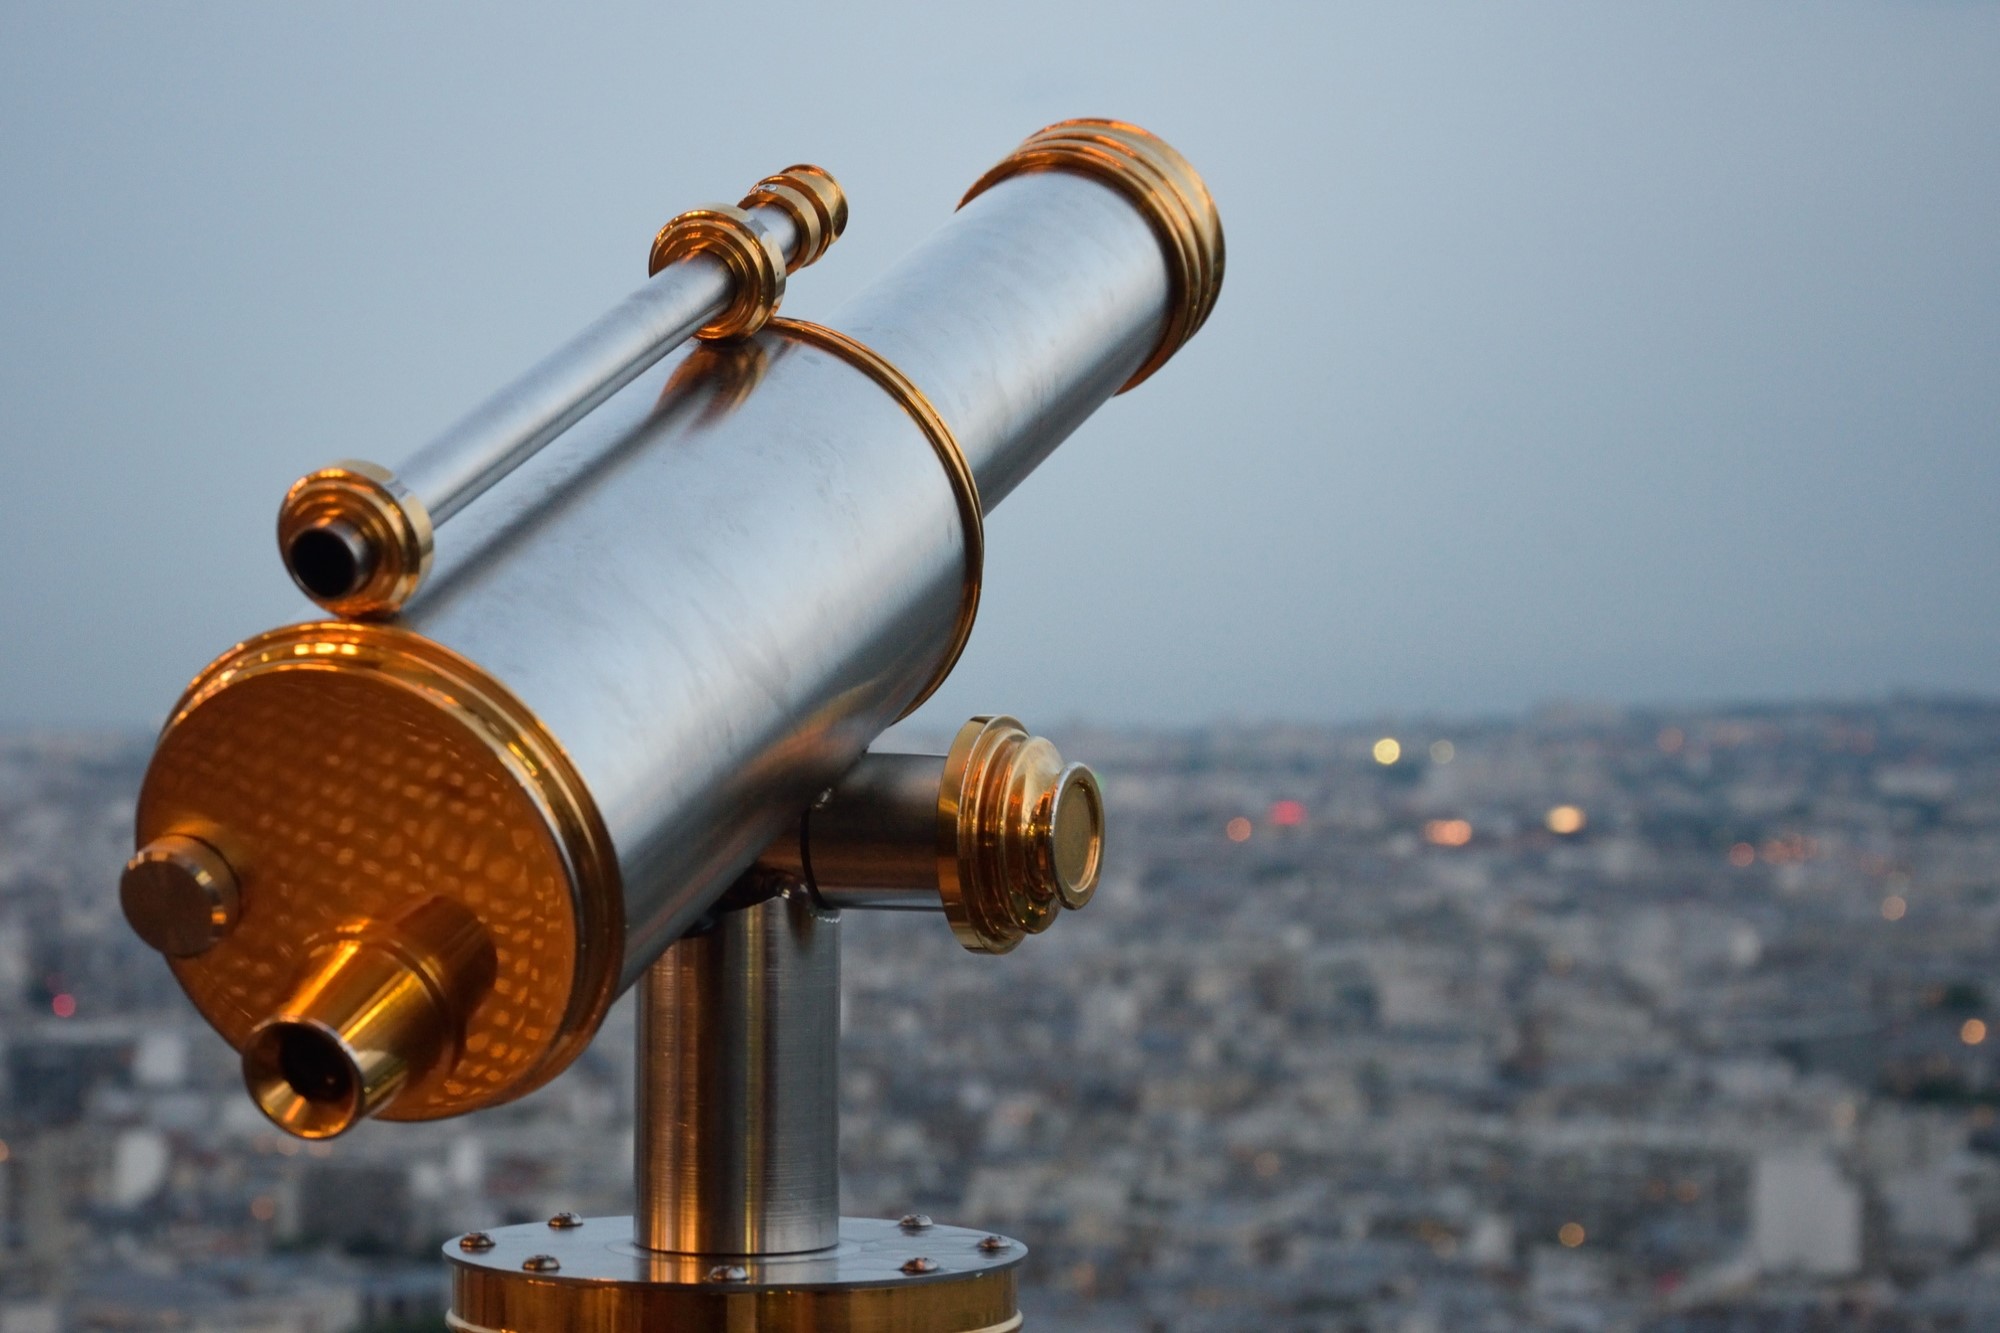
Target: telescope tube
[[659, 639]]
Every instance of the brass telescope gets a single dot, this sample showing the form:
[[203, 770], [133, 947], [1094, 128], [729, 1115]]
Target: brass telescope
[[593, 707]]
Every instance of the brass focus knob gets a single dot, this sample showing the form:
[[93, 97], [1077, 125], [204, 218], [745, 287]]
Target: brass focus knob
[[1020, 834], [179, 895]]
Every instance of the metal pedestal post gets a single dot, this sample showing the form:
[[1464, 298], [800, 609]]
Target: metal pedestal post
[[738, 1226]]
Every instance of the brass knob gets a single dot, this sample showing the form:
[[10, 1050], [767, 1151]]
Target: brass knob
[[179, 895], [1020, 834]]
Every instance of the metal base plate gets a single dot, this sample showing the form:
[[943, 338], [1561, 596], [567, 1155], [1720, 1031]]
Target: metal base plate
[[883, 1277]]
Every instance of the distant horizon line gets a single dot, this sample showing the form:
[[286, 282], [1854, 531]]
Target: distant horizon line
[[1553, 709]]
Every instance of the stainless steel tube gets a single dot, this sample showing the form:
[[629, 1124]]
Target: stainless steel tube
[[717, 609], [739, 1028], [1021, 317], [494, 438]]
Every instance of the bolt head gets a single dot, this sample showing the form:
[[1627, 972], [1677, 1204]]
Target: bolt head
[[919, 1265], [915, 1222], [474, 1241], [995, 1244], [541, 1263], [564, 1221], [727, 1273]]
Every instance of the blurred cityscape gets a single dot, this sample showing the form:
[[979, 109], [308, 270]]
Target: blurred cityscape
[[1591, 1020]]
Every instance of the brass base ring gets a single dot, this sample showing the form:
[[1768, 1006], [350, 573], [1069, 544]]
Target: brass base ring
[[590, 1274]]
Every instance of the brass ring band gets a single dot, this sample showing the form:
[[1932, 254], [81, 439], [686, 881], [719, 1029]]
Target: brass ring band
[[814, 201], [390, 521], [756, 265], [1164, 187], [964, 489]]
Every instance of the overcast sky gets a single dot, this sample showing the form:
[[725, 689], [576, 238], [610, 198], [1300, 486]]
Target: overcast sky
[[1619, 352]]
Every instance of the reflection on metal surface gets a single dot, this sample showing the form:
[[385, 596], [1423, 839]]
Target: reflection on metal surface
[[606, 1283], [1000, 833], [357, 772], [1168, 190], [963, 488], [738, 1099]]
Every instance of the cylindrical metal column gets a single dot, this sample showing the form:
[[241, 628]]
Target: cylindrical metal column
[[739, 1025]]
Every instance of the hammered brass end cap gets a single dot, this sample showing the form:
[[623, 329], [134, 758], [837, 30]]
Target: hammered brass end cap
[[179, 895], [1164, 187]]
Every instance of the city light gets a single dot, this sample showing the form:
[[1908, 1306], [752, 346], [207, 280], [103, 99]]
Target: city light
[[1973, 1032], [1448, 832], [63, 1005], [1671, 739], [1238, 829], [1571, 1234], [1287, 813], [1742, 854], [263, 1208], [1442, 752], [1566, 819], [5, 1151], [1388, 750], [1893, 908]]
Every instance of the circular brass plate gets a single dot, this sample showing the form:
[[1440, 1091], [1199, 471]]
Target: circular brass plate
[[349, 772], [602, 1281]]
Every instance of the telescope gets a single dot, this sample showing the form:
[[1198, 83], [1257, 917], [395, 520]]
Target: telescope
[[589, 705]]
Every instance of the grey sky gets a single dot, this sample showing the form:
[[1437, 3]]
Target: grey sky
[[1618, 351]]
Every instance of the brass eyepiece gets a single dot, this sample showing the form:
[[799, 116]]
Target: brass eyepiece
[[354, 539], [382, 1007], [179, 895]]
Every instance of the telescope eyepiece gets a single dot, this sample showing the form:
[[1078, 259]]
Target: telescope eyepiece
[[304, 1079], [331, 560]]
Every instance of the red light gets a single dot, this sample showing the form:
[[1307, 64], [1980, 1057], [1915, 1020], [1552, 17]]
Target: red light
[[63, 1005], [1287, 813]]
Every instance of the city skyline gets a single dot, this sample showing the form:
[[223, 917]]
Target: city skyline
[[1672, 1022]]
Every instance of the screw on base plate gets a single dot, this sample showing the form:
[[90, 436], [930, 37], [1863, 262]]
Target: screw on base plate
[[474, 1241], [541, 1263], [564, 1221], [920, 1265]]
